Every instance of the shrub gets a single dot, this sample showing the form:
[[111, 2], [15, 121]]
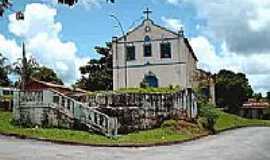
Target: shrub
[[169, 124], [209, 116], [150, 90], [266, 115]]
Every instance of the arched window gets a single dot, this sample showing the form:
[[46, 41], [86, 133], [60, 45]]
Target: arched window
[[151, 80], [147, 39]]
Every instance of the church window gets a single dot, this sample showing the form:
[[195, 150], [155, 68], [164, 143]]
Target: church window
[[130, 53], [150, 80], [147, 50], [165, 50], [147, 39]]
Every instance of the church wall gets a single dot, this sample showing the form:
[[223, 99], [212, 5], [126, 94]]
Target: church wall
[[177, 70], [166, 74]]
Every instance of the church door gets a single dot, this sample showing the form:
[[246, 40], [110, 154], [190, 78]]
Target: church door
[[151, 80]]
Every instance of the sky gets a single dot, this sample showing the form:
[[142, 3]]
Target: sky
[[224, 34]]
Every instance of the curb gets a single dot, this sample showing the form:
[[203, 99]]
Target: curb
[[103, 145], [124, 145]]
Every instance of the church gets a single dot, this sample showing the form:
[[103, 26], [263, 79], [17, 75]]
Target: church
[[153, 55]]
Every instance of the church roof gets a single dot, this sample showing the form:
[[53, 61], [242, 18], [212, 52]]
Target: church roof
[[190, 49]]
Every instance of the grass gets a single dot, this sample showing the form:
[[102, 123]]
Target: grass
[[142, 137], [160, 135], [227, 121], [150, 90]]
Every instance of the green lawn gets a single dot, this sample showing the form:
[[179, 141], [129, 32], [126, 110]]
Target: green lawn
[[142, 137], [227, 121], [165, 134]]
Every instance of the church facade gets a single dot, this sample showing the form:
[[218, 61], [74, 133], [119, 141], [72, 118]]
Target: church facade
[[153, 55]]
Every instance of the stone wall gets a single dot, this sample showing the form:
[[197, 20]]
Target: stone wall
[[136, 111], [104, 113]]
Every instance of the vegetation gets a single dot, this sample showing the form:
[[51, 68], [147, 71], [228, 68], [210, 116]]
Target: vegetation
[[97, 74], [29, 68], [232, 89], [169, 131], [258, 96], [226, 121], [47, 75], [268, 96], [150, 90], [164, 134], [4, 70], [266, 115], [209, 116]]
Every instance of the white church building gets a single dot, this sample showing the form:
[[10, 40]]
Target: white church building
[[153, 54]]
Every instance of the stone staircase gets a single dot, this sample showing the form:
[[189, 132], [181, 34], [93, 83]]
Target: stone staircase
[[35, 106]]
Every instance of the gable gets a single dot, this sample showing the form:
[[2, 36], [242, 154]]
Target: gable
[[155, 32]]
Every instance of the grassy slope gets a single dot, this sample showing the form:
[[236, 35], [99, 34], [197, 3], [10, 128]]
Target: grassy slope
[[159, 135], [227, 121], [150, 136]]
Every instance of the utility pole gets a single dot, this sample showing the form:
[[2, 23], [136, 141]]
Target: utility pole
[[125, 50]]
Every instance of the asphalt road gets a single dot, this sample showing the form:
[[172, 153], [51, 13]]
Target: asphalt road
[[241, 144]]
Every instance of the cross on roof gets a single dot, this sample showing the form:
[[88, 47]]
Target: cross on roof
[[147, 12]]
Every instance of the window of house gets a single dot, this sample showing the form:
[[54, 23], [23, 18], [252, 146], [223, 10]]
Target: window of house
[[130, 53], [165, 50]]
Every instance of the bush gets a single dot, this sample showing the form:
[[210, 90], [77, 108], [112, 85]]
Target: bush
[[209, 116], [169, 124], [150, 90], [266, 116]]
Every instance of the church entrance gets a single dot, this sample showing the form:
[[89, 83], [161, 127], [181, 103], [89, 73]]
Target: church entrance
[[151, 80]]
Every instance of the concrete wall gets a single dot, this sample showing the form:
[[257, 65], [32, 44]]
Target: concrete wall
[[177, 70]]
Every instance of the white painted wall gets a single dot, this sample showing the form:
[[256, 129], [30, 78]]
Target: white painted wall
[[177, 70]]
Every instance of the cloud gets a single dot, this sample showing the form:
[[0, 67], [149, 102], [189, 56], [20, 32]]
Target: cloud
[[234, 35], [174, 2], [254, 65], [9, 49], [87, 4], [243, 24], [40, 32], [172, 23]]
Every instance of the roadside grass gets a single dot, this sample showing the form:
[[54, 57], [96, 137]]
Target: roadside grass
[[228, 121], [166, 133]]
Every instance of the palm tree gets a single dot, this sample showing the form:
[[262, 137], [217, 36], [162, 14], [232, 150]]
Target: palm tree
[[25, 68]]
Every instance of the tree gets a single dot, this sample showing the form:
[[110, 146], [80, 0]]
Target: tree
[[97, 74], [47, 75], [232, 90], [29, 68], [258, 96], [4, 70], [268, 96], [6, 5], [24, 68]]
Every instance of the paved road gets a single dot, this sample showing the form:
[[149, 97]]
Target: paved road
[[241, 144]]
